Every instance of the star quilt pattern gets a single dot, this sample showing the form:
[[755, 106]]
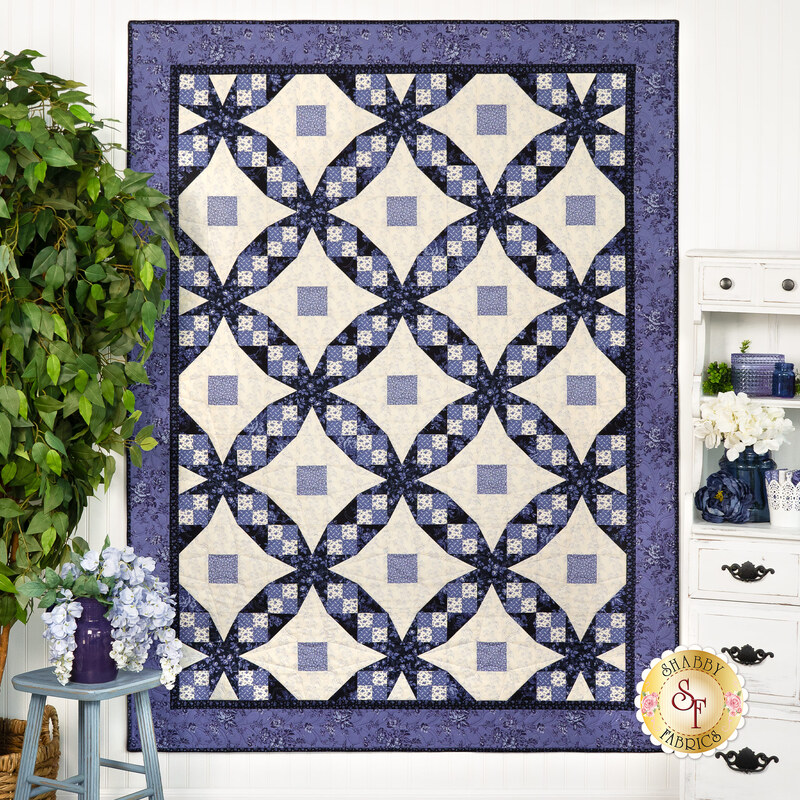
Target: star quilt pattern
[[419, 327]]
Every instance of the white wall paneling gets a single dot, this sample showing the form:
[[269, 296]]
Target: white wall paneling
[[739, 188]]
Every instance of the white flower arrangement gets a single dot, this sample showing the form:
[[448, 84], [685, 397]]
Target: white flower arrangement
[[141, 609], [737, 422]]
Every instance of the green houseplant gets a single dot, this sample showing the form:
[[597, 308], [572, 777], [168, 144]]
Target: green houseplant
[[82, 273]]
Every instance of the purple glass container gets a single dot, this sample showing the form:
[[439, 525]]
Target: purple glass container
[[93, 662]]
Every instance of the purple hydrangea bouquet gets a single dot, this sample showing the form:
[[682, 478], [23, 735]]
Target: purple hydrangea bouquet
[[140, 609]]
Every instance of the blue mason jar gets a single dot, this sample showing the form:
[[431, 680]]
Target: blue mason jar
[[783, 380], [750, 468]]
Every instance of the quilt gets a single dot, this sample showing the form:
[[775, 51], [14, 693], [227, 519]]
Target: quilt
[[415, 396]]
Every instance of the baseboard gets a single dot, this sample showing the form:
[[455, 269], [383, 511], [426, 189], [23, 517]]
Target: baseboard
[[346, 794]]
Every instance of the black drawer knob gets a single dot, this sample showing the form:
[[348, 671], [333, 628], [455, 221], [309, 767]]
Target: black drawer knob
[[746, 760], [747, 655], [725, 284], [748, 572], [788, 285]]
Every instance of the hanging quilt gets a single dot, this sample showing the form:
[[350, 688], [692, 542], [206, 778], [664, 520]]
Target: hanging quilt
[[416, 392]]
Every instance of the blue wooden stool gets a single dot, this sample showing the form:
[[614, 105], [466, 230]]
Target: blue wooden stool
[[42, 682]]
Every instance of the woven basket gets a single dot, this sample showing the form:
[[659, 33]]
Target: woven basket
[[12, 732]]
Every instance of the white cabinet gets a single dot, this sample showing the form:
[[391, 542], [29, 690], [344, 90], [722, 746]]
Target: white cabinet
[[741, 583]]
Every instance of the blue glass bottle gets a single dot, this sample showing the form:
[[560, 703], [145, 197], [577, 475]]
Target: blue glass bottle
[[783, 380]]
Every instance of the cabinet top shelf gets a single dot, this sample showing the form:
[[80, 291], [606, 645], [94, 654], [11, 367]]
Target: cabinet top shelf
[[765, 255], [781, 402]]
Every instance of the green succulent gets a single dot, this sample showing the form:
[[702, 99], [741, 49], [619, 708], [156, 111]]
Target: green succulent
[[718, 378]]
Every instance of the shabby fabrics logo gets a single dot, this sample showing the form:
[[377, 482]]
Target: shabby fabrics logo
[[691, 701]]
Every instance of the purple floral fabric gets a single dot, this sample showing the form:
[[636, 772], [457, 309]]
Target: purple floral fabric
[[647, 53]]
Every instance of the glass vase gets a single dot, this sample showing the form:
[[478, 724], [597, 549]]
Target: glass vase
[[93, 662], [751, 468]]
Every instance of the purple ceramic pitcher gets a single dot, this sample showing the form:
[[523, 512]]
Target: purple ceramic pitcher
[[93, 662]]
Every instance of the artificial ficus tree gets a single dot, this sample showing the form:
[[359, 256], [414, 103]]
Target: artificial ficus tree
[[82, 274]]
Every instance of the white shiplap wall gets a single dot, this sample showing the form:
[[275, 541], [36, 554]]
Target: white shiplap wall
[[739, 187]]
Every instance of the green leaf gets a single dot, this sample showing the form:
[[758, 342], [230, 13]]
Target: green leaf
[[40, 171], [136, 456], [51, 579], [59, 326], [136, 372], [4, 209], [9, 509], [6, 585], [81, 113], [9, 400], [81, 379], [32, 589], [135, 209], [53, 367], [57, 157], [93, 188], [55, 442], [43, 260], [146, 275], [129, 400], [23, 404], [8, 472], [107, 390], [85, 409], [5, 160], [5, 435], [49, 538], [148, 443]]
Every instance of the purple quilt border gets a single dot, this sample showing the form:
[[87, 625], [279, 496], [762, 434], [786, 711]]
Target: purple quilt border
[[652, 46]]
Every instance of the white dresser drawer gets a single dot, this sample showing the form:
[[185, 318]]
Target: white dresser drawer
[[715, 780], [738, 277], [774, 630], [713, 560], [782, 284]]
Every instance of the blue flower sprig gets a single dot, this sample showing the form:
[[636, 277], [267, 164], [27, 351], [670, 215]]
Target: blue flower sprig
[[141, 609]]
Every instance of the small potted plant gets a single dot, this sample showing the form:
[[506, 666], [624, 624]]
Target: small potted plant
[[752, 372], [103, 612], [749, 431]]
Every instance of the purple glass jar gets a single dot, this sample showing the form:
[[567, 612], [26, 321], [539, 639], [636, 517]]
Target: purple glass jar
[[93, 662]]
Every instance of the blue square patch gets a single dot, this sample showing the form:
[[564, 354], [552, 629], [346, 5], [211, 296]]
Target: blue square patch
[[492, 479], [401, 390], [223, 390], [312, 301], [401, 567], [492, 301], [222, 211], [311, 121], [312, 656], [223, 568], [581, 568], [312, 480], [492, 120], [401, 211], [492, 657]]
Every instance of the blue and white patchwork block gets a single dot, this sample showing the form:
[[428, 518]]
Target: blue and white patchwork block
[[551, 89], [251, 150], [372, 272], [462, 181], [462, 420], [609, 150], [193, 509], [253, 684], [340, 182], [370, 89], [551, 150], [372, 330], [283, 360], [282, 598], [610, 451], [551, 626], [463, 538], [371, 152], [432, 449], [194, 271], [611, 87], [522, 419], [462, 241], [431, 150], [431, 509], [372, 685], [282, 241], [372, 627], [610, 686], [432, 627], [462, 597], [462, 359], [193, 150], [193, 330], [283, 420], [193, 449], [521, 239], [552, 509], [432, 685], [551, 269], [609, 270], [252, 330], [432, 330], [342, 360], [195, 627], [521, 539], [252, 271], [521, 180], [253, 628], [431, 89], [342, 598], [551, 686], [194, 684], [521, 597], [612, 509], [372, 509], [193, 90], [251, 90], [609, 330], [551, 450], [432, 270], [609, 628], [282, 540], [252, 508], [342, 540], [282, 181], [551, 330]]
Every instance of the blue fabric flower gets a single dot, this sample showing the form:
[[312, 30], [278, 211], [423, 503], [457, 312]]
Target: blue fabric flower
[[724, 499]]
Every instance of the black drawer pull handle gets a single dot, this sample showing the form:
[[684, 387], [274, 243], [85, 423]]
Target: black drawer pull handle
[[787, 285], [746, 760], [747, 655], [725, 284], [748, 572]]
